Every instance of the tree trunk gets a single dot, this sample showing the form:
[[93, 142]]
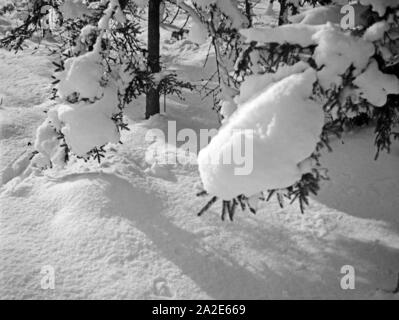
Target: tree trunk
[[123, 3], [282, 18], [152, 103], [248, 12]]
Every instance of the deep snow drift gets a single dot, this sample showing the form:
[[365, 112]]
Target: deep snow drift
[[128, 229]]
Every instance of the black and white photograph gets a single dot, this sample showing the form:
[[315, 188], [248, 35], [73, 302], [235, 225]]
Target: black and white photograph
[[199, 150]]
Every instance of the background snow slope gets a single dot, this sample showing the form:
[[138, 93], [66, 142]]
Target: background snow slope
[[113, 231]]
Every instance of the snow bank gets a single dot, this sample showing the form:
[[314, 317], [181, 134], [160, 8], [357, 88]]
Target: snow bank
[[285, 126], [137, 237], [126, 235]]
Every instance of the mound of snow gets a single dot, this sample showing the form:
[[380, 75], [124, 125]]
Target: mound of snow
[[375, 86], [284, 127], [16, 168]]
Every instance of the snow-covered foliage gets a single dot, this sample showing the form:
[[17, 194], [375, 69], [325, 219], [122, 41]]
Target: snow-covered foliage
[[101, 67], [331, 75], [286, 126], [94, 80], [375, 86], [82, 76], [226, 7], [88, 126], [336, 52], [347, 68], [90, 98]]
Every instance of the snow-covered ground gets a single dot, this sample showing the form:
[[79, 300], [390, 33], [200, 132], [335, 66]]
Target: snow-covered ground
[[124, 230]]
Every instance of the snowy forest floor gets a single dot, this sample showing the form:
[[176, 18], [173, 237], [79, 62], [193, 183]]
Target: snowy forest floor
[[119, 231]]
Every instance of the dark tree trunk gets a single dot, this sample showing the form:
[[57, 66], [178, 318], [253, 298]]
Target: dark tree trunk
[[282, 18], [152, 103], [123, 3], [248, 12]]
